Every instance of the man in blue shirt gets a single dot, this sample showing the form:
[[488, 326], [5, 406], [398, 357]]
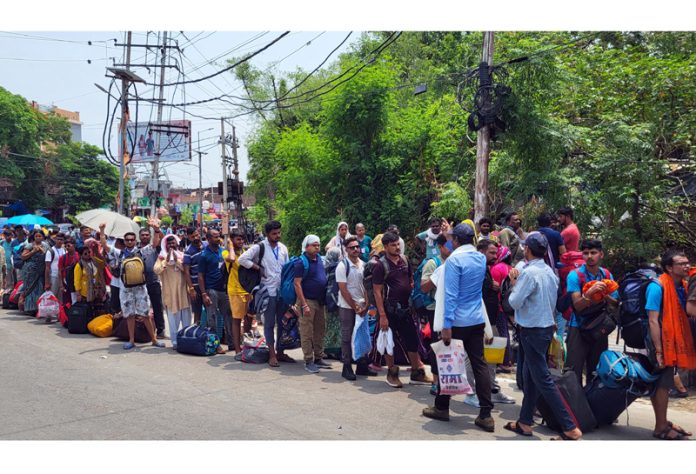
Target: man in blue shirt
[[553, 237], [465, 270], [311, 295], [213, 286], [192, 255], [533, 298], [583, 351]]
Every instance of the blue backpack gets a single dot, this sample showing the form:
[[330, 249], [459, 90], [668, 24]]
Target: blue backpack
[[418, 298], [617, 370], [287, 279]]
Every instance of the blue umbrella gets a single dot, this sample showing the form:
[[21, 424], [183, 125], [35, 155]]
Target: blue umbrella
[[28, 220]]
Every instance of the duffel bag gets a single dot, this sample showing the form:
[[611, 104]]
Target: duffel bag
[[101, 326], [79, 315], [197, 340], [573, 399], [120, 330], [616, 369], [608, 403]]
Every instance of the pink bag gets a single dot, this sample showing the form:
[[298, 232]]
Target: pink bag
[[48, 306], [451, 367]]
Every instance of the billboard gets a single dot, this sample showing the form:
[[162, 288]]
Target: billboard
[[174, 141]]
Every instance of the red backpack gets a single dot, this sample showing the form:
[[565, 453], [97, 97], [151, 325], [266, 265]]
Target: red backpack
[[571, 261]]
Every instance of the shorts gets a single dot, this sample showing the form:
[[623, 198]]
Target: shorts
[[666, 379], [134, 301], [239, 305]]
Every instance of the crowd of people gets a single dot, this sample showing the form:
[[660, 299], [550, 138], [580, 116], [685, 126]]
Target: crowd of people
[[475, 275]]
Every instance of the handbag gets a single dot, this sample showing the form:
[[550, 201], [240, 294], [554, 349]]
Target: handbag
[[598, 323]]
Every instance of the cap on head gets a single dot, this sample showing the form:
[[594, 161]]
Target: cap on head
[[462, 232], [537, 243]]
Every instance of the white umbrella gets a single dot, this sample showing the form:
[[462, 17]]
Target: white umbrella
[[116, 224]]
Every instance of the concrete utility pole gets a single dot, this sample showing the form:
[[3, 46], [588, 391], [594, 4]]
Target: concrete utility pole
[[160, 106], [225, 216], [235, 172], [200, 184], [483, 148], [124, 131]]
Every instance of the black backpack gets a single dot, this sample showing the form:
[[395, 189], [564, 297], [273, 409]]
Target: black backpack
[[505, 290], [249, 278], [633, 319]]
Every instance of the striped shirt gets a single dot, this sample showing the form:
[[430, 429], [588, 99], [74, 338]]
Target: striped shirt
[[192, 256]]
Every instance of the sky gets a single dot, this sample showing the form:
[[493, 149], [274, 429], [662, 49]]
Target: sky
[[52, 68]]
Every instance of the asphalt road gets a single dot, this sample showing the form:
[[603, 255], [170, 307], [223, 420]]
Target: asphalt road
[[59, 386]]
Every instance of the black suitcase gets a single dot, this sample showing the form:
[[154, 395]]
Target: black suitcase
[[574, 400], [608, 403], [79, 315], [6, 304]]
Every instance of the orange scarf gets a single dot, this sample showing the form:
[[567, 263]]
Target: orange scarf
[[677, 342]]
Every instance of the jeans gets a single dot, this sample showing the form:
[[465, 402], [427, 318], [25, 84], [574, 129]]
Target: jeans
[[154, 291], [537, 380], [583, 354], [197, 305], [274, 311], [219, 302], [312, 330], [472, 337], [179, 320], [347, 318]]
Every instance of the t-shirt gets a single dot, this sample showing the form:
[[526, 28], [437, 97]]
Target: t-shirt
[[571, 237], [653, 296], [233, 285], [430, 250], [354, 282], [573, 286], [427, 271], [192, 255], [314, 283], [53, 258], [150, 254], [398, 282], [365, 247], [210, 265], [555, 241]]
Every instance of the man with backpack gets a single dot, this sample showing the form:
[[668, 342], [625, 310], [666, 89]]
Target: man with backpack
[[672, 341], [393, 275], [268, 258], [310, 288], [352, 301], [465, 270], [585, 345], [135, 302], [214, 285]]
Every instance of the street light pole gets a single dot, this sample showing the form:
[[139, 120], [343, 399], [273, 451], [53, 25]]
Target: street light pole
[[200, 181]]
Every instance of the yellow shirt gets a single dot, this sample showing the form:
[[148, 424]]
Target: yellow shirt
[[233, 285]]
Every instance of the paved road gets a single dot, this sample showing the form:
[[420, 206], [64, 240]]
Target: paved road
[[59, 386]]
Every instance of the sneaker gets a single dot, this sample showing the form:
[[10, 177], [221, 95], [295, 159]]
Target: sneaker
[[348, 373], [311, 367], [436, 414], [472, 400], [393, 377], [433, 389], [322, 364], [160, 334], [500, 397], [419, 378], [363, 369], [158, 344]]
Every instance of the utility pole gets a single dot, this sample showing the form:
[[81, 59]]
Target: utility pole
[[124, 131], [200, 185], [223, 142], [235, 172], [160, 104], [483, 139]]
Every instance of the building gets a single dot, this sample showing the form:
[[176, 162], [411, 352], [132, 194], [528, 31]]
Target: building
[[72, 117]]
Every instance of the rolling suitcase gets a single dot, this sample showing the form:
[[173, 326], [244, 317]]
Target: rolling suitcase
[[608, 403], [79, 315], [574, 400]]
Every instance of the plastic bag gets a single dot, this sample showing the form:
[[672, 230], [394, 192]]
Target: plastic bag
[[556, 356], [48, 306], [361, 342], [255, 350], [385, 342], [451, 368]]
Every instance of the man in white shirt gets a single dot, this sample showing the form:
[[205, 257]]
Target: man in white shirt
[[275, 255], [51, 273]]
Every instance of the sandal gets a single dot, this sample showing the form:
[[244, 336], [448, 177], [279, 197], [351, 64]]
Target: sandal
[[674, 393], [516, 428], [664, 434], [285, 358], [273, 363], [679, 429], [128, 346], [565, 437]]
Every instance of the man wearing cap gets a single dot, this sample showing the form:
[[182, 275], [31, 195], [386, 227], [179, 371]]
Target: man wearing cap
[[465, 270], [533, 298]]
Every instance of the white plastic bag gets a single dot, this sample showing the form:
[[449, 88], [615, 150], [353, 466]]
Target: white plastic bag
[[385, 342], [361, 342], [451, 367], [48, 306]]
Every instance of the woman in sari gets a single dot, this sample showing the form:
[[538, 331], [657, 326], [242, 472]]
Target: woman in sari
[[34, 256]]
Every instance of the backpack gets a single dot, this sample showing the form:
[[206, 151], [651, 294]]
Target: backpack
[[564, 303], [367, 276], [616, 370], [332, 285], [505, 291], [287, 279], [132, 270], [418, 298], [17, 261], [249, 278], [633, 319], [70, 278]]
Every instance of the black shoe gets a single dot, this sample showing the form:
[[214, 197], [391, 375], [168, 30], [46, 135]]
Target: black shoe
[[160, 334], [348, 373], [362, 368]]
